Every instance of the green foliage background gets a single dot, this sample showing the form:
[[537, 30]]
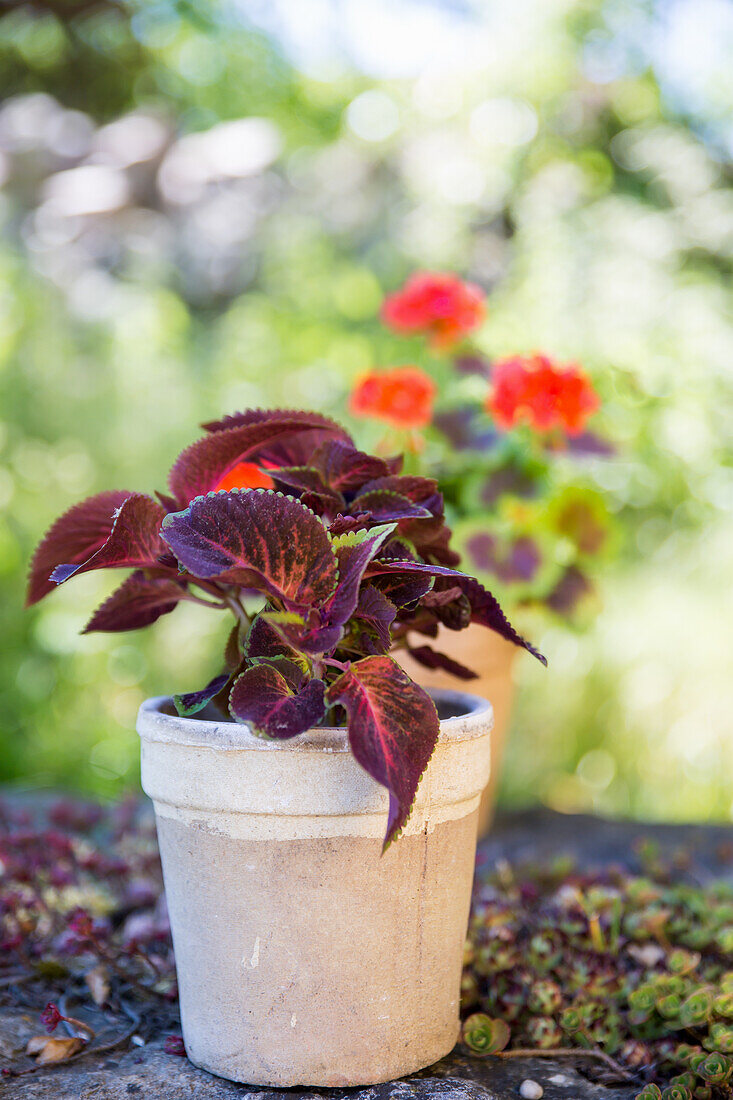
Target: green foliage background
[[594, 206]]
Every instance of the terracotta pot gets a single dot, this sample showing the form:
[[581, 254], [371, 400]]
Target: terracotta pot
[[493, 659], [305, 957]]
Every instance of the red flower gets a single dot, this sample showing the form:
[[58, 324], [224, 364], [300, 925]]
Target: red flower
[[402, 396], [440, 305], [532, 389], [174, 1045], [246, 475], [51, 1017]]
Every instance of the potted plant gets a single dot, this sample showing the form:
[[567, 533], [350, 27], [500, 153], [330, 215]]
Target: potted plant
[[509, 444], [311, 948]]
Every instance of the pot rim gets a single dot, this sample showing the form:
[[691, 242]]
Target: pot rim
[[155, 722]]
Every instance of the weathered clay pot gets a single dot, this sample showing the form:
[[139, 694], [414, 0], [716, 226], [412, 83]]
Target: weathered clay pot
[[304, 957], [494, 659]]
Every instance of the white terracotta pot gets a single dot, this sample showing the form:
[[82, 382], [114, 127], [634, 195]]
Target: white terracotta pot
[[494, 659], [304, 957]]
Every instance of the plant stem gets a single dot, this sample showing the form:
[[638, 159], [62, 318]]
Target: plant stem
[[565, 1052]]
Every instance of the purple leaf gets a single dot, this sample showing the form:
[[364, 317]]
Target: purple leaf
[[345, 469], [306, 480], [74, 537], [133, 541], [263, 640], [377, 612], [139, 601], [270, 416], [393, 729], [262, 698], [431, 658], [286, 635], [569, 591], [386, 506], [201, 466], [485, 608], [588, 443], [194, 701], [256, 539], [416, 489], [402, 590], [354, 551], [472, 364], [466, 429], [339, 525]]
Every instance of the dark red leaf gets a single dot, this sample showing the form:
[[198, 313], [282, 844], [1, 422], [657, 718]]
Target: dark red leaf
[[377, 612], [345, 469], [269, 416], [401, 588], [263, 640], [139, 601], [386, 506], [416, 489], [441, 597], [393, 729], [431, 658], [74, 537], [257, 539], [133, 541], [485, 608], [201, 466], [354, 551], [194, 701], [262, 698], [341, 524]]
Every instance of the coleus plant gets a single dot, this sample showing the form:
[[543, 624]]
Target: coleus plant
[[328, 558]]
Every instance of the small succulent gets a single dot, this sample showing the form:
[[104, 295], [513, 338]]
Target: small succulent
[[627, 964], [484, 1035]]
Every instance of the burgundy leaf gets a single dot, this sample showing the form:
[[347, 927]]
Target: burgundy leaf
[[431, 658], [306, 480], [377, 612], [74, 537], [194, 701], [485, 608], [263, 640], [416, 489], [262, 698], [345, 469], [256, 539], [133, 541], [267, 641], [401, 589], [386, 506], [139, 601], [269, 416], [440, 597], [354, 551], [202, 466], [341, 524], [316, 637], [393, 729]]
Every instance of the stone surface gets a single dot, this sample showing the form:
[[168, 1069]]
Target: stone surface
[[149, 1073]]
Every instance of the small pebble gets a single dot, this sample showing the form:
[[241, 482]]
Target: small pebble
[[531, 1090]]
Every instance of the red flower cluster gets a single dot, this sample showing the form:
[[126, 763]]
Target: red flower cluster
[[440, 305], [402, 396], [532, 389]]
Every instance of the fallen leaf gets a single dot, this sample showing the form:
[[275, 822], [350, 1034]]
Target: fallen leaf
[[54, 1051], [98, 982]]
